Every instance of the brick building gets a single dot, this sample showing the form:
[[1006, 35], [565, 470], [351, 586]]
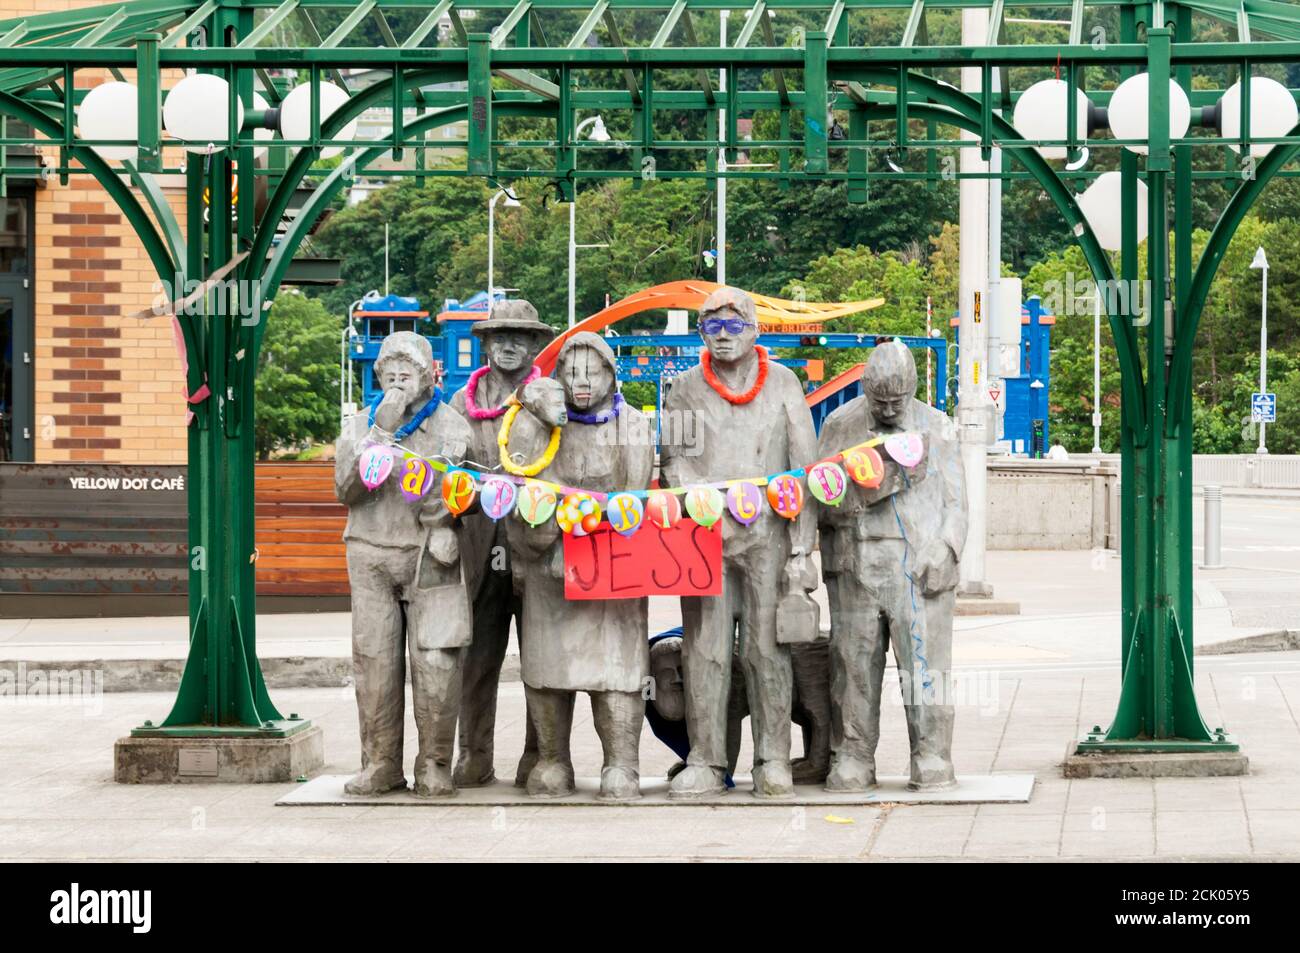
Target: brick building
[[82, 380]]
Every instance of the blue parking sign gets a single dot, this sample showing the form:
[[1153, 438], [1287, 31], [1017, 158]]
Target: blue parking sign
[[1263, 408]]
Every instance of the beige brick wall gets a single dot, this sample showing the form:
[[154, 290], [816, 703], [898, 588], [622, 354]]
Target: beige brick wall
[[108, 386]]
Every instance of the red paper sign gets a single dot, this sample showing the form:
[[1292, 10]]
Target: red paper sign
[[685, 560]]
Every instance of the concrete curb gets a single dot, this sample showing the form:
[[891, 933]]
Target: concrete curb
[[1283, 640], [164, 675]]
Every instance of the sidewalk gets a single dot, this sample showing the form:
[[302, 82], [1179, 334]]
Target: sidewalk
[[1014, 718], [1070, 611]]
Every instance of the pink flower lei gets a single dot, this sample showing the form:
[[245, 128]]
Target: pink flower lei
[[471, 388]]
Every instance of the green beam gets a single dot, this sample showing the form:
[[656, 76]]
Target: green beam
[[579, 38], [427, 25], [480, 105], [670, 21], [502, 33], [268, 24], [350, 23]]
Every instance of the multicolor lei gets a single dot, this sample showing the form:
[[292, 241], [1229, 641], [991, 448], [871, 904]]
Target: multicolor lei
[[503, 444], [706, 367], [471, 389], [600, 418], [413, 425]]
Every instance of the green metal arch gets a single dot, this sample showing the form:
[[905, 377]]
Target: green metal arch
[[293, 238], [1180, 378], [157, 249], [299, 166], [963, 110], [103, 172]]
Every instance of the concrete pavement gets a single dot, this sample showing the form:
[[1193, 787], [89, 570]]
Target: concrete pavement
[[57, 799]]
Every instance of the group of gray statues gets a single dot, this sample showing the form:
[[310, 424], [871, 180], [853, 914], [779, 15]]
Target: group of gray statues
[[444, 589]]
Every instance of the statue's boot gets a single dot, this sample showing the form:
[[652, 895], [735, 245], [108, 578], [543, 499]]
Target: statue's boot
[[698, 781], [810, 770], [849, 775], [930, 727], [376, 778], [772, 781], [529, 758], [618, 717], [473, 770], [433, 780], [552, 715]]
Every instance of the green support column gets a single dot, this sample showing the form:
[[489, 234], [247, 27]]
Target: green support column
[[1157, 709], [222, 692]]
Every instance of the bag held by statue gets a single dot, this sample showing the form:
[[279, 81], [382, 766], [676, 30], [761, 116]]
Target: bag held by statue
[[798, 618]]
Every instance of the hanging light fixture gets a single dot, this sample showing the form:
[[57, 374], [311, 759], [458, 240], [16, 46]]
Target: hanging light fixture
[[109, 111], [1101, 204], [261, 134], [1041, 113], [197, 111], [1129, 111], [295, 114], [1272, 113]]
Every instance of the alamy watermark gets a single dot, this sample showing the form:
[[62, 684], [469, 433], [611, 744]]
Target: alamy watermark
[[78, 687], [1076, 296], [238, 297]]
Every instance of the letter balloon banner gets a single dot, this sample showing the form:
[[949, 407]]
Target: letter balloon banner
[[417, 478], [375, 464], [684, 560], [745, 501], [498, 497], [458, 491], [578, 514], [785, 493], [865, 467], [625, 513], [827, 482], [536, 503]]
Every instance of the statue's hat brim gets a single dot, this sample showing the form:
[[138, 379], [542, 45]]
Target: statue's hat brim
[[513, 316]]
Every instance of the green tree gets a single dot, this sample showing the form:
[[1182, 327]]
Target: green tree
[[298, 375]]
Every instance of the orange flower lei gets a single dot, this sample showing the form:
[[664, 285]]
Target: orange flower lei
[[706, 366]]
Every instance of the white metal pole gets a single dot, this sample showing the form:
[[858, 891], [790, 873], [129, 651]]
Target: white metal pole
[[385, 259], [573, 259], [1096, 373], [973, 196], [722, 157], [1263, 352], [994, 314], [929, 351], [492, 212]]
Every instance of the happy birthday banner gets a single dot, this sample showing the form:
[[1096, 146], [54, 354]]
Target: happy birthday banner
[[579, 512]]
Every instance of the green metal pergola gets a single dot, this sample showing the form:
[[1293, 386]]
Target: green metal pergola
[[876, 62]]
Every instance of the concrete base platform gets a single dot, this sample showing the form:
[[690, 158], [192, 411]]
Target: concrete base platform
[[970, 789], [986, 607], [1208, 764], [216, 759]]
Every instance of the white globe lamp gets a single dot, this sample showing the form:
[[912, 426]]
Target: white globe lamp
[[1129, 111], [1272, 113], [109, 111], [1041, 113], [295, 114], [1101, 204], [197, 111]]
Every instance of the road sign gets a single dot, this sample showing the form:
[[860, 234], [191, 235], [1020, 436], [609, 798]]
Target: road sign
[[1263, 408], [998, 394]]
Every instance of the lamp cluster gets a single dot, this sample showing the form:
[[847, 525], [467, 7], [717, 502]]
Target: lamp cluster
[[1041, 113], [197, 113]]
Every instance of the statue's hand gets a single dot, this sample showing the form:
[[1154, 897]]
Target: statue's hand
[[443, 545], [800, 574], [391, 408], [936, 569]]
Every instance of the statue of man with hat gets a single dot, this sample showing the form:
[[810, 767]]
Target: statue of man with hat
[[512, 337], [890, 561], [408, 593], [749, 418]]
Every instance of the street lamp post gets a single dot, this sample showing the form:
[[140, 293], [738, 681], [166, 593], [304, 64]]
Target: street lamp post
[[511, 202], [598, 134], [1261, 263]]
